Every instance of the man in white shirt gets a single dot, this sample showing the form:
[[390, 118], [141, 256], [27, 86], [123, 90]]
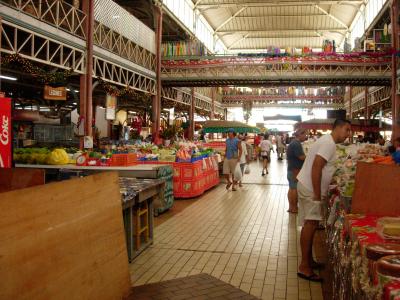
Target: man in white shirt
[[313, 182], [265, 147]]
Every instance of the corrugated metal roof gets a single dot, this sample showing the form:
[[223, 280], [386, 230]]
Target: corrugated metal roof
[[257, 24]]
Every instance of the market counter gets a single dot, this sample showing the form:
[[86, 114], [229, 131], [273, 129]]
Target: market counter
[[144, 171], [190, 179]]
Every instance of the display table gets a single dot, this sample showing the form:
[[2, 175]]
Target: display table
[[137, 202], [355, 276], [356, 249], [150, 171]]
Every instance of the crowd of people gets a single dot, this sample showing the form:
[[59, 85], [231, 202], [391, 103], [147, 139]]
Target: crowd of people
[[308, 175]]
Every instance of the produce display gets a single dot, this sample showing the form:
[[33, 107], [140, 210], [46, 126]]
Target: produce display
[[44, 156], [346, 163]]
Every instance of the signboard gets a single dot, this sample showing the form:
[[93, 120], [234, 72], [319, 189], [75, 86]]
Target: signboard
[[5, 133], [111, 106], [88, 142], [51, 93]]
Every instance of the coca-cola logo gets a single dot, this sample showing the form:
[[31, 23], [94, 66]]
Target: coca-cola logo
[[4, 131]]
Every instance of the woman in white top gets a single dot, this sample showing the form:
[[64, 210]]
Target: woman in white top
[[266, 147], [244, 157]]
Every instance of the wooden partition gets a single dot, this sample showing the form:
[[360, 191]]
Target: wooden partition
[[377, 189], [13, 179], [64, 240]]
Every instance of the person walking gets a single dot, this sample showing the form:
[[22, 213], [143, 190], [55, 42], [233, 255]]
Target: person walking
[[313, 181], [295, 157], [233, 152], [265, 148], [257, 141], [244, 158], [280, 148]]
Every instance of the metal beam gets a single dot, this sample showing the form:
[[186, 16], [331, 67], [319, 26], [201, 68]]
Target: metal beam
[[277, 3], [332, 17], [280, 15], [197, 4], [230, 18], [238, 41], [232, 31]]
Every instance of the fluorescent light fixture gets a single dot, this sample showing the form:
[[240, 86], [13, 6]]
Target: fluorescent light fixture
[[68, 90], [76, 91], [8, 77], [74, 103]]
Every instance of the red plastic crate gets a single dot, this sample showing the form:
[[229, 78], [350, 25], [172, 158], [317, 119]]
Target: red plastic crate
[[188, 188], [126, 159]]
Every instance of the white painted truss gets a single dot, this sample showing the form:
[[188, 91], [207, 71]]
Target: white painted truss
[[119, 75], [183, 96], [114, 42], [40, 48], [378, 97], [56, 12]]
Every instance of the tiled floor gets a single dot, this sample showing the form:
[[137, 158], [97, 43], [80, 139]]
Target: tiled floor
[[195, 287], [244, 238]]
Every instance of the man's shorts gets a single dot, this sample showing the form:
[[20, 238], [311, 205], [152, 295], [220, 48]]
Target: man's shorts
[[308, 208], [292, 180], [229, 166]]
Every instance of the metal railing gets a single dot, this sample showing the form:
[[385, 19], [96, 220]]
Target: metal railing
[[55, 12], [114, 42]]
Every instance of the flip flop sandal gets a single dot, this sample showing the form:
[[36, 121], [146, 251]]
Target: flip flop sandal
[[228, 186], [312, 277]]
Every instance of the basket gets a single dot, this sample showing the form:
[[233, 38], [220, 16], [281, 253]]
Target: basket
[[124, 160]]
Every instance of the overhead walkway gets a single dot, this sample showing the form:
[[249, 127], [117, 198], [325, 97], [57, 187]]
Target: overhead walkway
[[335, 69]]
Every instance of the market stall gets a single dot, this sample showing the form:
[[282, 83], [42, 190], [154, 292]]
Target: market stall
[[189, 169], [363, 224]]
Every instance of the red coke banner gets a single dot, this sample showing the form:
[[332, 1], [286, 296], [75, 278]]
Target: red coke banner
[[5, 133]]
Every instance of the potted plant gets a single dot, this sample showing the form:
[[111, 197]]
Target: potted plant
[[167, 134]]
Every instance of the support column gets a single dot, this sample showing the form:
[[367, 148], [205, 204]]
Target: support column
[[158, 15], [88, 8], [395, 45], [350, 102], [191, 115], [213, 95], [366, 109]]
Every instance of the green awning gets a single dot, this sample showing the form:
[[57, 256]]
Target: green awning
[[224, 126]]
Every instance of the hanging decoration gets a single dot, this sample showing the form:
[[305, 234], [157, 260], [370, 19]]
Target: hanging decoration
[[114, 91], [16, 61]]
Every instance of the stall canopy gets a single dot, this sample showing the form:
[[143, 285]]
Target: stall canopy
[[223, 126], [356, 125], [282, 117]]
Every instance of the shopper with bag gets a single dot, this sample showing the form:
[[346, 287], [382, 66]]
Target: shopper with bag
[[233, 152], [244, 158], [295, 157], [313, 182], [266, 148]]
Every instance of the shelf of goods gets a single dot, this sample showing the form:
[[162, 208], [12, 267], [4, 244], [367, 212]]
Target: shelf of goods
[[363, 234], [193, 179]]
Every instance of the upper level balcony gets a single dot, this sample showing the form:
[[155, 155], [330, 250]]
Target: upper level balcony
[[125, 46]]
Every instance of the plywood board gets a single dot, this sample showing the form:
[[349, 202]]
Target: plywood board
[[13, 179], [377, 189], [64, 240]]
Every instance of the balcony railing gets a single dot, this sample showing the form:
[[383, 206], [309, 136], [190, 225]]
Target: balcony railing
[[55, 12], [114, 42]]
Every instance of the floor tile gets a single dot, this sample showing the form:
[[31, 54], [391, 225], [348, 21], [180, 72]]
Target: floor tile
[[244, 238]]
